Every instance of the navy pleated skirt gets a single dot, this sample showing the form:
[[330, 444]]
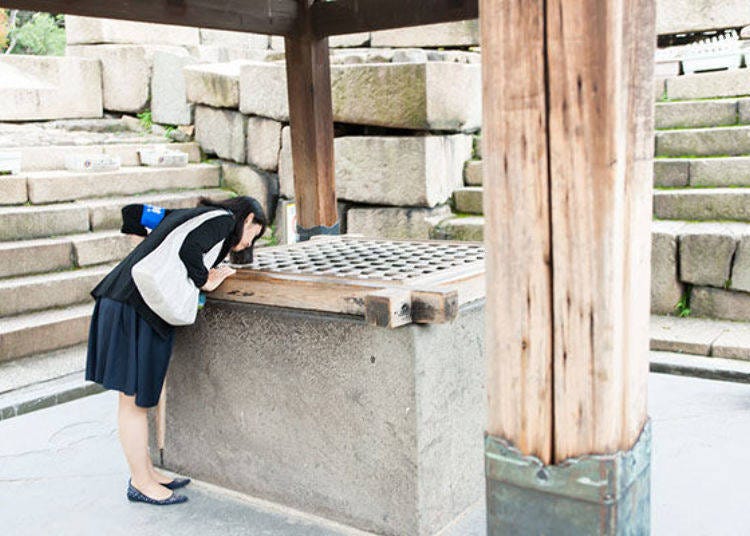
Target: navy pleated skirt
[[125, 353]]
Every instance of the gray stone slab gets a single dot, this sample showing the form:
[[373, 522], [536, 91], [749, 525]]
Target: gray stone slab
[[468, 228], [671, 172], [221, 132], [263, 142], [27, 371], [666, 288], [685, 335], [400, 170], [63, 185], [34, 256], [416, 393], [732, 171], [696, 114], [468, 200], [45, 331], [743, 111], [706, 252], [731, 141], [95, 30], [247, 180], [733, 343], [432, 95], [41, 221], [473, 173], [681, 16], [459, 33], [730, 83], [99, 248], [13, 190], [741, 265], [214, 84], [703, 204], [169, 103], [234, 39], [49, 87], [709, 368], [126, 72], [719, 303], [22, 295], [395, 222]]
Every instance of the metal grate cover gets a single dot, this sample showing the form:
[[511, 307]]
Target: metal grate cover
[[366, 258]]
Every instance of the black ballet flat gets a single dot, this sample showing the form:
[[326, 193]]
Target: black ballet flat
[[177, 483], [136, 496]]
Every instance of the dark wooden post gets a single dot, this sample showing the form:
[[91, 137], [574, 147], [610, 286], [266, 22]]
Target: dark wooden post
[[567, 149], [311, 119]]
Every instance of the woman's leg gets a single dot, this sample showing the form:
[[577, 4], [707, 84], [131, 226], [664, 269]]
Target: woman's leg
[[133, 427]]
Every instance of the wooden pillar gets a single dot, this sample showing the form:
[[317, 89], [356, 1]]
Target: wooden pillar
[[311, 119], [567, 154]]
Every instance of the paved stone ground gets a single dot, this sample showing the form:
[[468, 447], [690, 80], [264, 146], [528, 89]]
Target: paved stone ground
[[62, 473]]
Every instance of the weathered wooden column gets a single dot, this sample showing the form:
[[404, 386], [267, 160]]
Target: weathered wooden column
[[308, 72], [567, 151]]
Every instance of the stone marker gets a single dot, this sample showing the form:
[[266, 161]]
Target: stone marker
[[169, 103], [49, 87], [94, 31], [221, 132]]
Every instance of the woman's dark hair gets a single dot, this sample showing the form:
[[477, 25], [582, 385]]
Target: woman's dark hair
[[241, 206]]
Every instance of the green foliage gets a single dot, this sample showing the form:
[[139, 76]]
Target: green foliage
[[146, 120], [683, 306], [40, 34]]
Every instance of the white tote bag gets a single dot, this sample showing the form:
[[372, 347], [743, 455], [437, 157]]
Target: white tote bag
[[162, 279]]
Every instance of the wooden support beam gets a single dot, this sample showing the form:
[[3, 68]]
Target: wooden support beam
[[350, 16], [601, 150], [311, 120], [518, 334], [270, 17], [567, 134]]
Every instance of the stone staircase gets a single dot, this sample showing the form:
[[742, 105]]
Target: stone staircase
[[701, 208], [59, 233]]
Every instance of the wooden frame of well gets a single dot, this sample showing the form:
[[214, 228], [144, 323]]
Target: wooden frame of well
[[567, 150]]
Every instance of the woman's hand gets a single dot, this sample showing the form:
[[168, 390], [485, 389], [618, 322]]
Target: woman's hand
[[216, 277]]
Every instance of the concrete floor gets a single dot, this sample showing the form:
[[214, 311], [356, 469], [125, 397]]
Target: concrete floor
[[62, 473]]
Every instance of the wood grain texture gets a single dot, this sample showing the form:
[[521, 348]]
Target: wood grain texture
[[311, 121], [270, 17], [518, 334], [598, 223], [350, 16]]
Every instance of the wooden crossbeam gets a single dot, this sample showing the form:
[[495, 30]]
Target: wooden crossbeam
[[350, 16], [270, 17]]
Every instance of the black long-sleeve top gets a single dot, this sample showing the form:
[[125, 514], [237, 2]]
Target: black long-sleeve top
[[118, 284]]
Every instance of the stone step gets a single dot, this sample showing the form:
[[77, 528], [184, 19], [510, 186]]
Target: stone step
[[719, 141], [702, 204], [21, 295], [718, 171], [709, 368], [19, 373], [26, 222], [44, 331], [671, 172], [468, 200], [702, 113], [62, 185], [700, 336], [733, 83], [459, 227], [37, 256], [49, 157]]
